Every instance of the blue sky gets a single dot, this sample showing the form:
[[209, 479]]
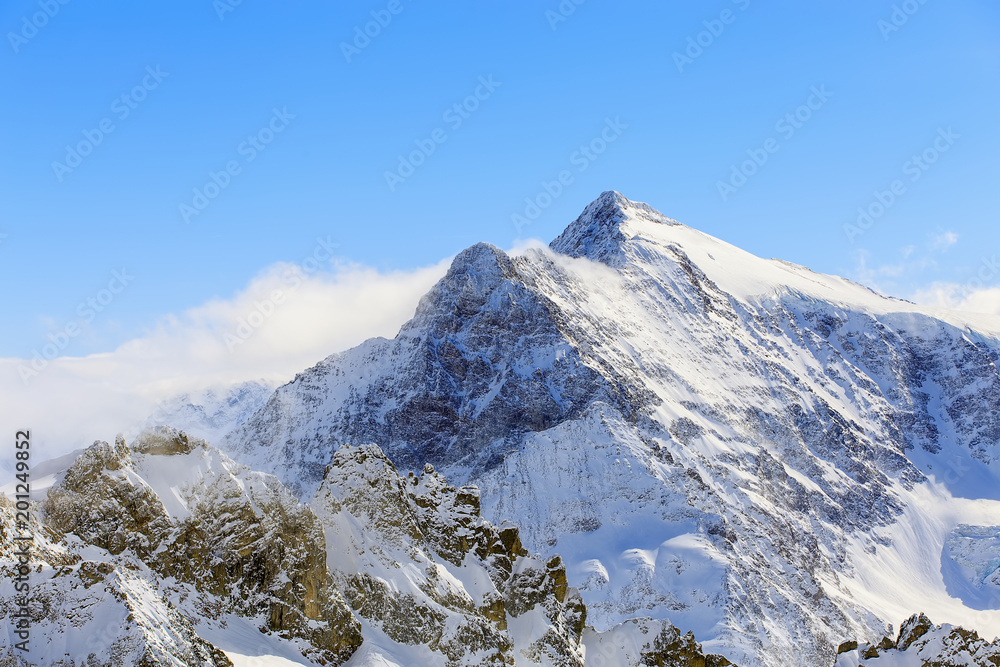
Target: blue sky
[[189, 89]]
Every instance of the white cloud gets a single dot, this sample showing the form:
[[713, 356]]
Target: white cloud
[[978, 294], [960, 297], [943, 241], [286, 319]]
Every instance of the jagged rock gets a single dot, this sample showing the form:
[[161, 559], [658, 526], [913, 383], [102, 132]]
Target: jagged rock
[[94, 613], [233, 534], [920, 642], [181, 542], [912, 629], [376, 520], [190, 541], [45, 546], [101, 503], [849, 645]]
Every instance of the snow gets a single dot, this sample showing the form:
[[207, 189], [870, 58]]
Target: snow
[[776, 459], [970, 565], [42, 476], [911, 575], [246, 646], [379, 650]]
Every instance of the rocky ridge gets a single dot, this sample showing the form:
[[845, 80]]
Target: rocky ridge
[[920, 642], [164, 551]]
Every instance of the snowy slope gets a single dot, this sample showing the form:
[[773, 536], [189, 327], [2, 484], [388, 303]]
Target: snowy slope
[[212, 412], [773, 458]]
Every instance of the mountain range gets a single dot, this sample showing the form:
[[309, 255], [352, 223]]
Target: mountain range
[[708, 456]]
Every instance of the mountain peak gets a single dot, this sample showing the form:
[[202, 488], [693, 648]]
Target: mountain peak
[[605, 224], [611, 197], [473, 275]]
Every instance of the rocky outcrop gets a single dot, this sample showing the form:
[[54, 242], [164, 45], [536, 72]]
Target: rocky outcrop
[[235, 536], [921, 642], [472, 581], [96, 613], [101, 501], [648, 643]]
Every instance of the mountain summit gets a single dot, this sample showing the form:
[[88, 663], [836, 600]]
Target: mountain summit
[[773, 458], [605, 226]]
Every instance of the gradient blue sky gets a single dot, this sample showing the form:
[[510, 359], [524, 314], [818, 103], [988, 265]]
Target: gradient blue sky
[[324, 174]]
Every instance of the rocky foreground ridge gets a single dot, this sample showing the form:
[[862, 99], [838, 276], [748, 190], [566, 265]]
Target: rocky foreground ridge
[[922, 643], [164, 551]]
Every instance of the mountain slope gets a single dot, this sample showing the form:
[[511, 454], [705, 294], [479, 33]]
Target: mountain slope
[[770, 457], [211, 413]]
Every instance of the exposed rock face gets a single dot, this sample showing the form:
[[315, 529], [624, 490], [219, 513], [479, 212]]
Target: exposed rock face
[[240, 536], [166, 552], [913, 629], [45, 547], [920, 642], [202, 537], [472, 582], [455, 403], [726, 442], [100, 502]]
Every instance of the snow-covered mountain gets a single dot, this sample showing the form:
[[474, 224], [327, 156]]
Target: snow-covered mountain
[[695, 444], [775, 459], [213, 412]]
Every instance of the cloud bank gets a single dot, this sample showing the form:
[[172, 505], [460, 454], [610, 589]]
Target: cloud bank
[[287, 318]]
